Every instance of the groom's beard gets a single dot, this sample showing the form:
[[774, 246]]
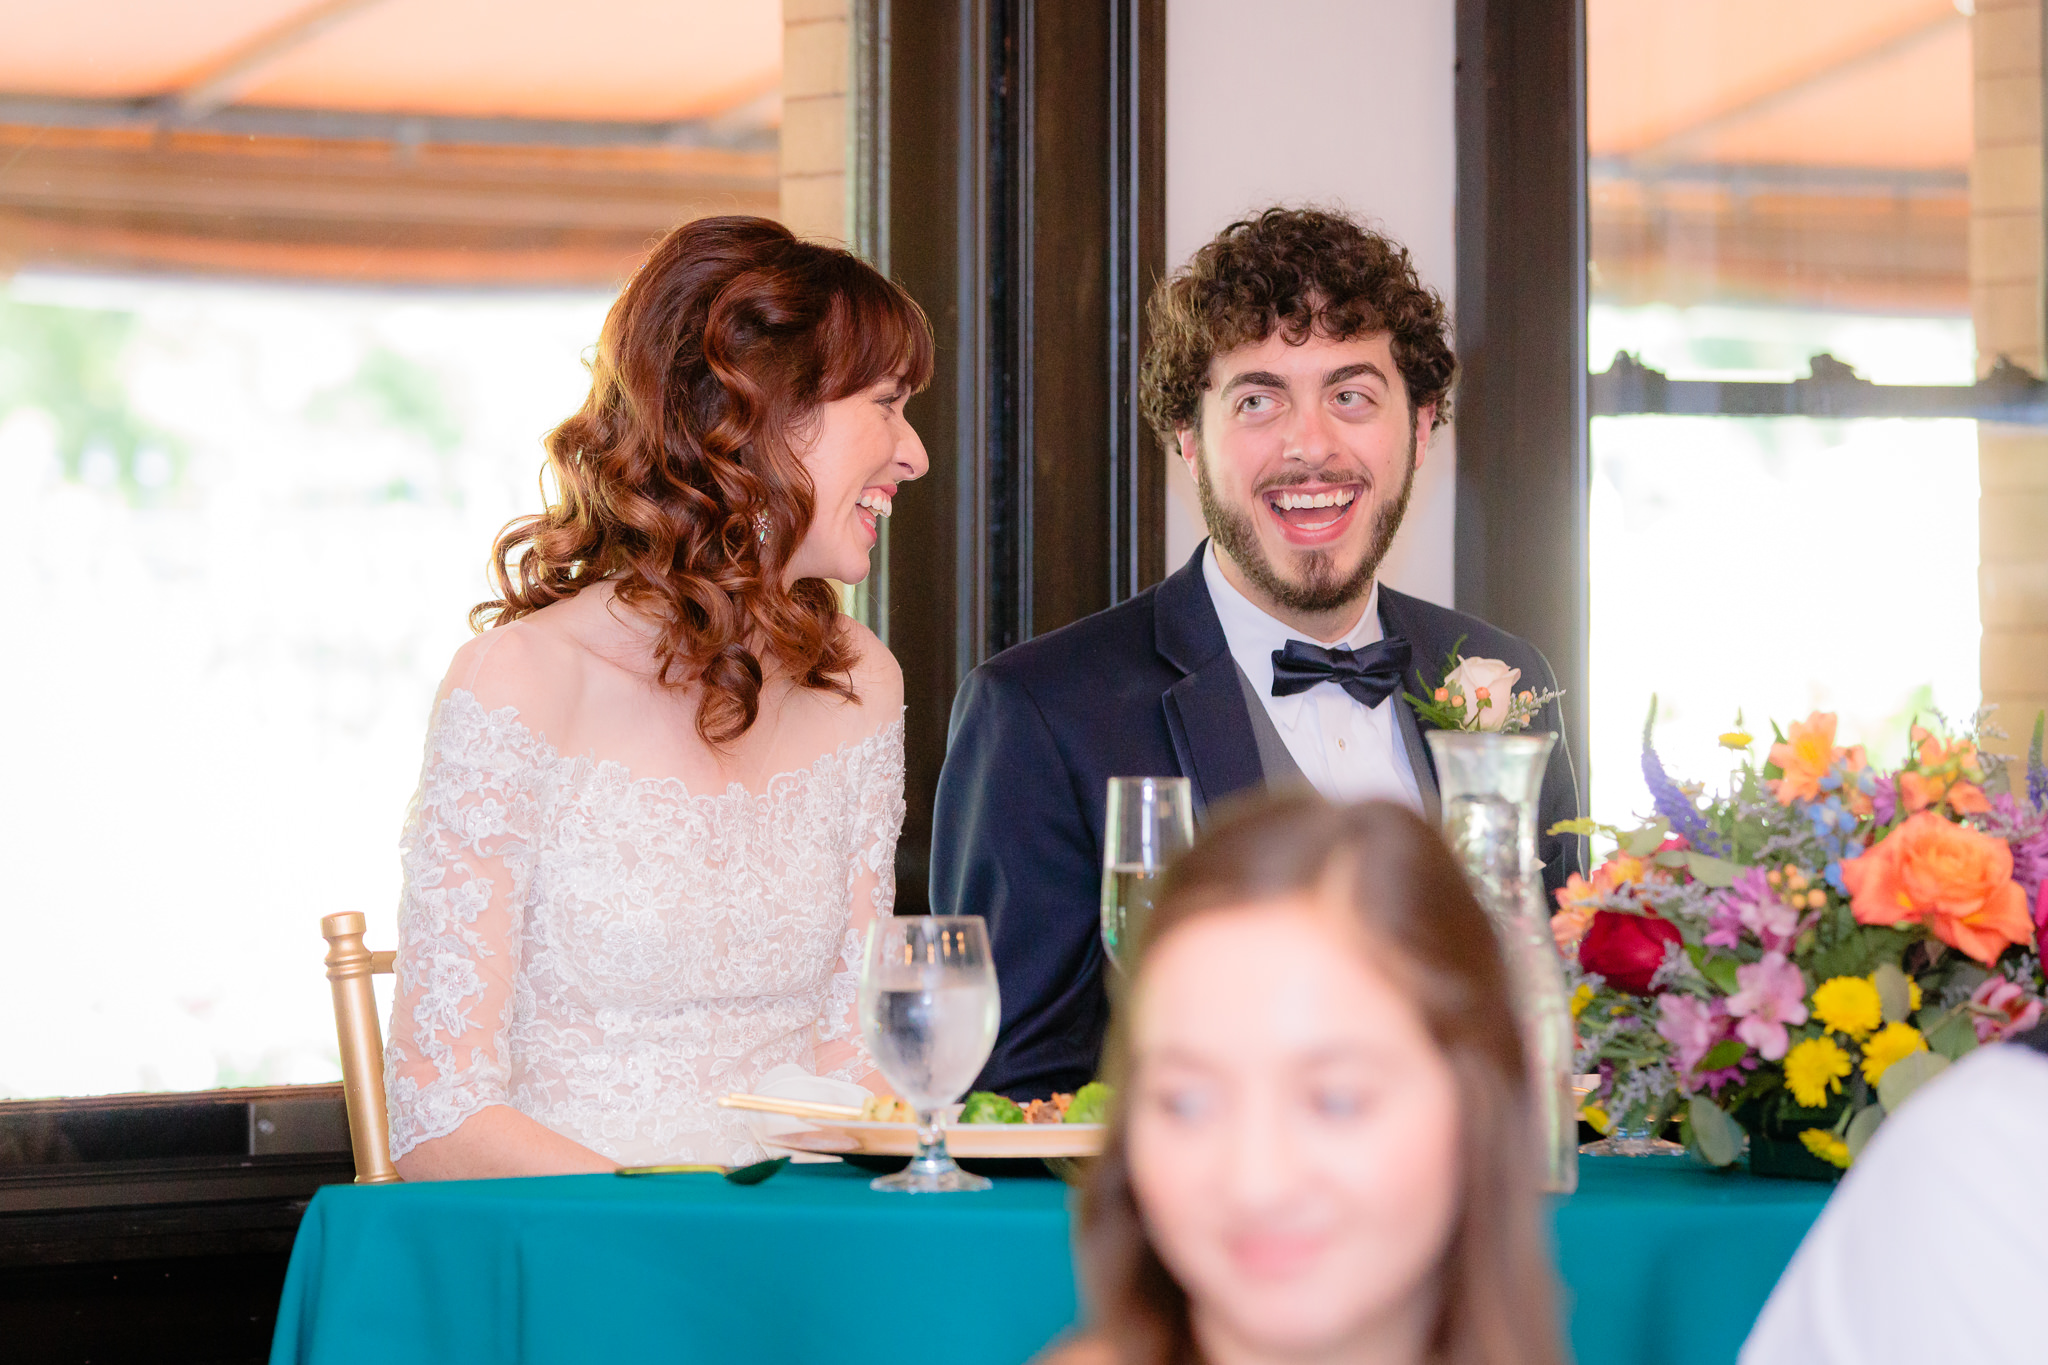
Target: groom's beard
[[1318, 589]]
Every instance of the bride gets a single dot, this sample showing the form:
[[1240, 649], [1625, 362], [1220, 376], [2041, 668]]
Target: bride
[[662, 791]]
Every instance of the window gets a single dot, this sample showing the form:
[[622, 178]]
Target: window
[[286, 313], [1763, 214]]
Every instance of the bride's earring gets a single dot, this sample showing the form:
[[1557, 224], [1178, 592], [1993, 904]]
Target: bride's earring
[[761, 527]]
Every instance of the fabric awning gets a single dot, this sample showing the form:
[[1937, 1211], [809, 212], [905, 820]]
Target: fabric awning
[[393, 141]]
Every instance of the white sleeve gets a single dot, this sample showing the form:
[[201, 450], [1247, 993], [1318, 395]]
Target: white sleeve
[[1932, 1247], [466, 854], [871, 892]]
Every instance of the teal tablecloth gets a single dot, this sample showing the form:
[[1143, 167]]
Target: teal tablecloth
[[1663, 1262]]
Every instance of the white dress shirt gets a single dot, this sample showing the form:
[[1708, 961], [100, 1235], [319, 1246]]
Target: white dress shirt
[[1347, 751], [1932, 1247]]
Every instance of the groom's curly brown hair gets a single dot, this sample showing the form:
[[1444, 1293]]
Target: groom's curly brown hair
[[1295, 271]]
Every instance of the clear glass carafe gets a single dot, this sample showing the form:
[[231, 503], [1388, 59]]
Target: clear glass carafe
[[1490, 785]]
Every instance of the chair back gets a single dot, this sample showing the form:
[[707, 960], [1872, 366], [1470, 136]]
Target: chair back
[[349, 968]]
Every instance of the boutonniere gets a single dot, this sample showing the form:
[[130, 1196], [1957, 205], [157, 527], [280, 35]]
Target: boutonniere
[[1479, 694]]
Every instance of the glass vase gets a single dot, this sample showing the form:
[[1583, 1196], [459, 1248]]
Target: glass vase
[[1490, 785]]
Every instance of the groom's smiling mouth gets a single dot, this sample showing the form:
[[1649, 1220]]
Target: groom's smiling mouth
[[1312, 514]]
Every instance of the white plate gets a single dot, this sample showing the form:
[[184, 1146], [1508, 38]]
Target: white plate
[[987, 1140]]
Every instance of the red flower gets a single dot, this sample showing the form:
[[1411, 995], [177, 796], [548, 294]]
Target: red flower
[[1626, 949]]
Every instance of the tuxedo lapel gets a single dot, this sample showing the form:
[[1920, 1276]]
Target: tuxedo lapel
[[1205, 710], [1427, 656]]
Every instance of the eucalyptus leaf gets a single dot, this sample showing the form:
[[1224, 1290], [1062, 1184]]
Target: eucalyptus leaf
[[1954, 1036], [1723, 1055], [1717, 1137], [1862, 1128], [1894, 991], [1714, 872], [1907, 1075], [1644, 841], [1720, 970]]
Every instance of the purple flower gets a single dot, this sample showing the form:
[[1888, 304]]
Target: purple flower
[[1751, 904], [1674, 805], [2025, 830], [1690, 1025], [1769, 995], [1694, 1028], [1884, 800]]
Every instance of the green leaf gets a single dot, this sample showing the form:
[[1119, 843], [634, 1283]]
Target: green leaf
[[1906, 1075], [1724, 1054], [1644, 841], [1585, 825], [1717, 1137], [1862, 1127], [1860, 953], [1714, 872], [1954, 1036], [1720, 971], [1894, 991]]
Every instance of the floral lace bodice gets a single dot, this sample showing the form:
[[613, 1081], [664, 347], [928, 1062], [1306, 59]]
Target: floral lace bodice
[[609, 955]]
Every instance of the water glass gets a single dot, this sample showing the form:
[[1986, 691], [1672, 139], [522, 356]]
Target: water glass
[[928, 1013], [1147, 823]]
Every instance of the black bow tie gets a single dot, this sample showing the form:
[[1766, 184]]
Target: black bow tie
[[1370, 675]]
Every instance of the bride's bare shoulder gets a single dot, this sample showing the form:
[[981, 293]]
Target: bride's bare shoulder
[[531, 665], [877, 677]]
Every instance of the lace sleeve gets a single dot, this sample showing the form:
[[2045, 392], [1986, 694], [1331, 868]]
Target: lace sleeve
[[871, 885], [465, 853]]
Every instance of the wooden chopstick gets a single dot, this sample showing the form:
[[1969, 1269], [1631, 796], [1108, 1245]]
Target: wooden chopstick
[[802, 1109]]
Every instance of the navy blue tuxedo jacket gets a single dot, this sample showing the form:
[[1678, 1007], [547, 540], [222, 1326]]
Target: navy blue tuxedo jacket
[[1145, 689]]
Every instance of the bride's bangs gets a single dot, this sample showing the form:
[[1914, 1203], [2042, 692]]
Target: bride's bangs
[[875, 331]]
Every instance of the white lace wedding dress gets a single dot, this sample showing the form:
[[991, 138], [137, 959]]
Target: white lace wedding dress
[[608, 955]]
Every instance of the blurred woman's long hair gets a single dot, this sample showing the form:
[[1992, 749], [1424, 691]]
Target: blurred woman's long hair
[[680, 478], [1395, 877]]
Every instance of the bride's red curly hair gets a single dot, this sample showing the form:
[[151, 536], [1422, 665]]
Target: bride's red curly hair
[[711, 363]]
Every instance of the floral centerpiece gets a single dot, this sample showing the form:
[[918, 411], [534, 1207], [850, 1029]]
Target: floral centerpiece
[[1783, 963]]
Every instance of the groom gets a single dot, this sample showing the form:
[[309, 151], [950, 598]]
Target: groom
[[1298, 368]]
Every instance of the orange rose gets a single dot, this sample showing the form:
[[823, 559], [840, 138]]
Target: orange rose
[[1955, 880]]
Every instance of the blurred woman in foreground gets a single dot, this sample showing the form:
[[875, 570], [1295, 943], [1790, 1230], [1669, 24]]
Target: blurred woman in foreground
[[1320, 1153]]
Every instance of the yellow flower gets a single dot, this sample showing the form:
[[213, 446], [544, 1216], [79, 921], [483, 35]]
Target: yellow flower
[[1893, 1043], [1826, 1146], [1813, 1068], [1737, 739], [1581, 998], [1912, 996], [1596, 1116], [1848, 1004]]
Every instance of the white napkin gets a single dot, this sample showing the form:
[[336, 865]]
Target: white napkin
[[791, 1082]]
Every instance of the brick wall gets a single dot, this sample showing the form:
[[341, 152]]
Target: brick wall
[[815, 79], [2007, 256]]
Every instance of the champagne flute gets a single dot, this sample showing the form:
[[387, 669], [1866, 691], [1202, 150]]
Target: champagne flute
[[1148, 821], [928, 1013]]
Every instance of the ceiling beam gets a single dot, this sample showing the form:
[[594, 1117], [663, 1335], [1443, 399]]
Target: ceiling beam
[[722, 132], [221, 82]]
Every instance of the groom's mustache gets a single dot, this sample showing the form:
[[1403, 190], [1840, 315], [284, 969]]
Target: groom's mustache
[[1329, 476]]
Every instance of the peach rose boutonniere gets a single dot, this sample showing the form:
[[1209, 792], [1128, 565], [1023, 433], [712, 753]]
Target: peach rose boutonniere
[[1479, 694], [1949, 877]]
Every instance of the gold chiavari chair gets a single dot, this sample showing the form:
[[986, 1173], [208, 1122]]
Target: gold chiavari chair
[[349, 968]]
